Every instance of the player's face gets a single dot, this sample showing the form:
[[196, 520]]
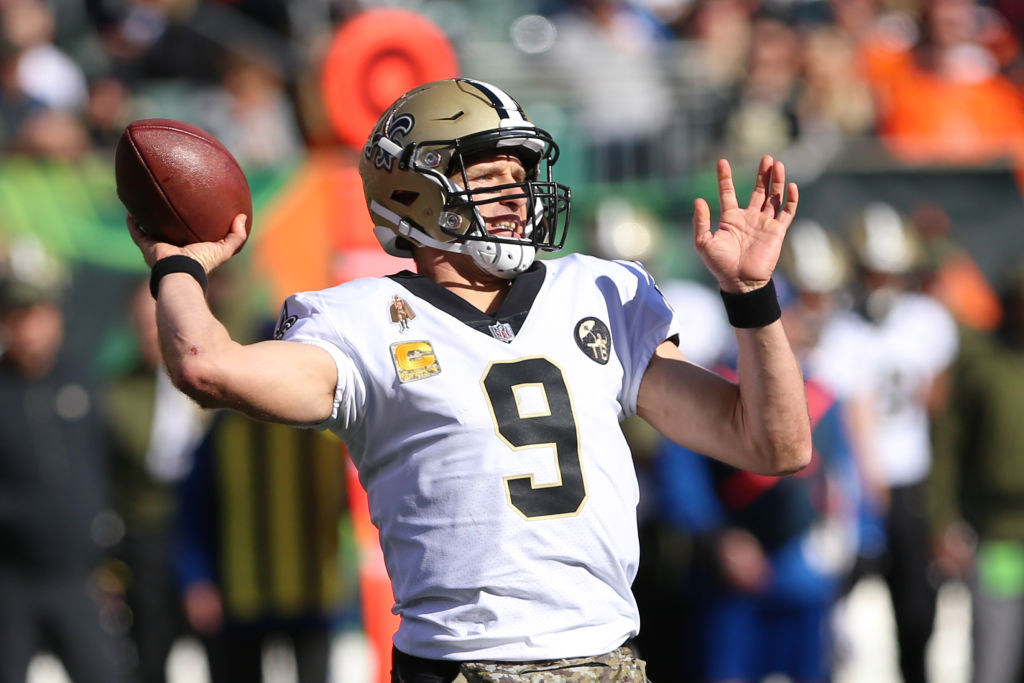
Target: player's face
[[505, 217]]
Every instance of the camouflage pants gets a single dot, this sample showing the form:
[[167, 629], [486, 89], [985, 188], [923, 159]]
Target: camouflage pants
[[618, 666]]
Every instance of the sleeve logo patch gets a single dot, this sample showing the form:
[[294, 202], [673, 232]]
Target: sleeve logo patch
[[284, 322], [594, 339], [414, 360]]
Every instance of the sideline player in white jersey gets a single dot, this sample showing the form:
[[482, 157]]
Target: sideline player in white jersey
[[888, 359], [480, 396]]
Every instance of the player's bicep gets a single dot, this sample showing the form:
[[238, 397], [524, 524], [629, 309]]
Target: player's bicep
[[686, 403], [283, 381]]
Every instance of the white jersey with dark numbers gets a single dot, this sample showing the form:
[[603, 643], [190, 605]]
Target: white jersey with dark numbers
[[491, 451], [893, 362]]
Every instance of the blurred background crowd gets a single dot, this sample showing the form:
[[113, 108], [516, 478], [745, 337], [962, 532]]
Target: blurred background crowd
[[143, 539]]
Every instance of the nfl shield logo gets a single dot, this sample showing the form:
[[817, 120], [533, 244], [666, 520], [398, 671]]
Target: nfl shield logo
[[502, 332]]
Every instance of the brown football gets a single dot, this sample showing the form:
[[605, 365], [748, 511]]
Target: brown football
[[179, 183]]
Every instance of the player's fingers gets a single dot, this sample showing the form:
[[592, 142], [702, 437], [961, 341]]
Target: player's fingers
[[134, 230], [778, 178], [152, 250], [778, 186], [758, 197], [238, 225], [701, 221], [237, 235], [726, 188], [788, 212]]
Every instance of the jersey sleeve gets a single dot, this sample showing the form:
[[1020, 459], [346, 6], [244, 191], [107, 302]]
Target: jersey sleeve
[[647, 320], [305, 318], [938, 326]]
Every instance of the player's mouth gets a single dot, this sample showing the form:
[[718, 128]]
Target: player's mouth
[[505, 228]]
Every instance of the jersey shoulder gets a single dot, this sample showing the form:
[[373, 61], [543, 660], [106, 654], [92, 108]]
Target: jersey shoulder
[[348, 292], [628, 274], [328, 311]]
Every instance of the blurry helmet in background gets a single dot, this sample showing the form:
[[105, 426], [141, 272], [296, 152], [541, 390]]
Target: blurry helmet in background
[[883, 240], [30, 274], [815, 265], [429, 135], [624, 230], [813, 259]]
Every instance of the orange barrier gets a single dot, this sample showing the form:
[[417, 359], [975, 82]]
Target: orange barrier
[[373, 58]]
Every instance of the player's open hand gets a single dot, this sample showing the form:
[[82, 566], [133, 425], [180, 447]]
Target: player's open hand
[[209, 254], [743, 251]]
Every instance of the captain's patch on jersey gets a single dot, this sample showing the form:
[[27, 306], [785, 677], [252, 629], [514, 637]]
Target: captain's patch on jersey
[[414, 360], [594, 339]]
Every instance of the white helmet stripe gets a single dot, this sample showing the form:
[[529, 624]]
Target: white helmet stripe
[[508, 109]]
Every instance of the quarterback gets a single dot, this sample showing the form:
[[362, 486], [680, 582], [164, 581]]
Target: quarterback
[[480, 394]]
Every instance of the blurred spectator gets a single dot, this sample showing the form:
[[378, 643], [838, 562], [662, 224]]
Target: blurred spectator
[[833, 92], [154, 429], [888, 367], [666, 640], [16, 105], [609, 53], [42, 90], [720, 31], [42, 70], [942, 99], [259, 556], [759, 561], [53, 482], [251, 114], [949, 272], [801, 94], [152, 40], [770, 551], [109, 110], [760, 111], [54, 135], [978, 482]]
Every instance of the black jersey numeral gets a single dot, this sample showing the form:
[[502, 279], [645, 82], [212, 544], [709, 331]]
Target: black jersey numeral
[[552, 426]]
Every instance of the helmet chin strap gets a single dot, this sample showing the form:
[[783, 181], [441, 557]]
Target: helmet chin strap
[[500, 259], [494, 258]]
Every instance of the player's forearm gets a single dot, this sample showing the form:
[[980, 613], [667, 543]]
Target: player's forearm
[[191, 338], [278, 381], [773, 404]]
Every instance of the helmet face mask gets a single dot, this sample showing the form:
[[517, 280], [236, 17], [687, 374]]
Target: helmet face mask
[[414, 176]]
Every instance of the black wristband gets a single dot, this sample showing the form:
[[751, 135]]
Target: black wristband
[[179, 263], [756, 308]]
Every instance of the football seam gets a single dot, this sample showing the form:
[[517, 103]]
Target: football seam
[[145, 163], [153, 181], [209, 139]]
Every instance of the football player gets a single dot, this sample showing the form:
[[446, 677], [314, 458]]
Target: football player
[[485, 428]]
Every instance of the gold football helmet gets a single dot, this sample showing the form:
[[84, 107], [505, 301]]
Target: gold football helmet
[[813, 259], [883, 240], [426, 138]]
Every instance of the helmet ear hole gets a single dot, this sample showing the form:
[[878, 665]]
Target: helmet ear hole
[[405, 197]]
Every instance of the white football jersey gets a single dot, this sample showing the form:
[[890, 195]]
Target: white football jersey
[[893, 362], [491, 452]]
